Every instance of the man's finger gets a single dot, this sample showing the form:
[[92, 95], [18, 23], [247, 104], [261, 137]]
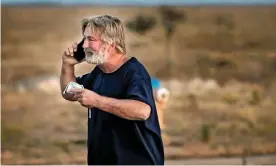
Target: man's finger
[[66, 54], [80, 100], [75, 97], [70, 50], [78, 95], [76, 90], [75, 46]]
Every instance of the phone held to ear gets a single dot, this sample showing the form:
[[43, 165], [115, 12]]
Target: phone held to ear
[[79, 55]]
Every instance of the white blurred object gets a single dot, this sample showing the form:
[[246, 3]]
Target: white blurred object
[[72, 85], [162, 95], [49, 85]]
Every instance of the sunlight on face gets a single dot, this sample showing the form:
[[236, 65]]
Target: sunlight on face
[[92, 56]]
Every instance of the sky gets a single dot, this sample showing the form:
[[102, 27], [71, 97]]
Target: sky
[[141, 2]]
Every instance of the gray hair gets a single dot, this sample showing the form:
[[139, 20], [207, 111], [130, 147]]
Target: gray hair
[[111, 30]]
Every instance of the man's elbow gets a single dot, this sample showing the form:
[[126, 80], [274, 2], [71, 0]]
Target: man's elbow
[[146, 112], [68, 97]]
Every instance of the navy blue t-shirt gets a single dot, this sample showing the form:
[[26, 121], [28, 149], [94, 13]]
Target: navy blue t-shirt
[[115, 140]]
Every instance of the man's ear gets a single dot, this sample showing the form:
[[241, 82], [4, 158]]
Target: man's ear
[[112, 47]]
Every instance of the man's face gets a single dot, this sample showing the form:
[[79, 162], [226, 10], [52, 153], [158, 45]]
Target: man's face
[[95, 49]]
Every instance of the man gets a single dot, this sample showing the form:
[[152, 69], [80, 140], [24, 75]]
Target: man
[[123, 125]]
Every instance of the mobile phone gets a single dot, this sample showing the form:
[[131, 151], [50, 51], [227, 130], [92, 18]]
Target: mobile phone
[[79, 55]]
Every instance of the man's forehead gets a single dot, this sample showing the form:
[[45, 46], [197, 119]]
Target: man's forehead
[[88, 32]]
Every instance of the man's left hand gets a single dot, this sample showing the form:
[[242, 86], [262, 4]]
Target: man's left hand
[[85, 97]]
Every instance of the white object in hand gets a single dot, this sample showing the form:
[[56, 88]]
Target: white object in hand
[[72, 85]]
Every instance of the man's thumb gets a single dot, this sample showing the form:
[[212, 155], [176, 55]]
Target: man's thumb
[[76, 90]]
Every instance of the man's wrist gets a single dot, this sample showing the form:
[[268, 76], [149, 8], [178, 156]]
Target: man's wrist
[[99, 99], [67, 67]]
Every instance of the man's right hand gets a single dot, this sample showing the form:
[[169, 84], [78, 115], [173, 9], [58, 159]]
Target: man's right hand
[[67, 57]]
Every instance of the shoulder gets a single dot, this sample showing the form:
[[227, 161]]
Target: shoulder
[[135, 70], [82, 79]]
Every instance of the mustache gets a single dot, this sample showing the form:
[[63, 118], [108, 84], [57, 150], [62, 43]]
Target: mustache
[[88, 50]]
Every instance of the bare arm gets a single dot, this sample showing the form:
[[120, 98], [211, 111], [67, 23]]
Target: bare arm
[[124, 108], [68, 72], [67, 75]]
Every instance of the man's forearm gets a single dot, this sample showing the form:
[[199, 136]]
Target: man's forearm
[[67, 75], [124, 108]]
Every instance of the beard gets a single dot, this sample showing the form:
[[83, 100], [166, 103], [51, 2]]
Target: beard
[[93, 57]]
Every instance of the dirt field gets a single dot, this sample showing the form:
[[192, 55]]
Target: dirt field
[[253, 160], [219, 66]]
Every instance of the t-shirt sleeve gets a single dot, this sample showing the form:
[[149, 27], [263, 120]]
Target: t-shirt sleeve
[[82, 79], [87, 80], [139, 89]]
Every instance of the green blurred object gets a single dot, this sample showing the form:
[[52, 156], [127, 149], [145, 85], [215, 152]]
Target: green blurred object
[[205, 131], [141, 24]]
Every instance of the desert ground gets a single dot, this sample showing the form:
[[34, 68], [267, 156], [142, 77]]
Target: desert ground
[[218, 63]]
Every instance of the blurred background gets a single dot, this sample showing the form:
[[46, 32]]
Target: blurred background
[[216, 59]]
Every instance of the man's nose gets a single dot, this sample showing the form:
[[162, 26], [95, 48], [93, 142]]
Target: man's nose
[[85, 44]]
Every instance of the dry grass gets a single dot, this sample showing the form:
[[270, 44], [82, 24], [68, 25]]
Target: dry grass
[[228, 121]]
